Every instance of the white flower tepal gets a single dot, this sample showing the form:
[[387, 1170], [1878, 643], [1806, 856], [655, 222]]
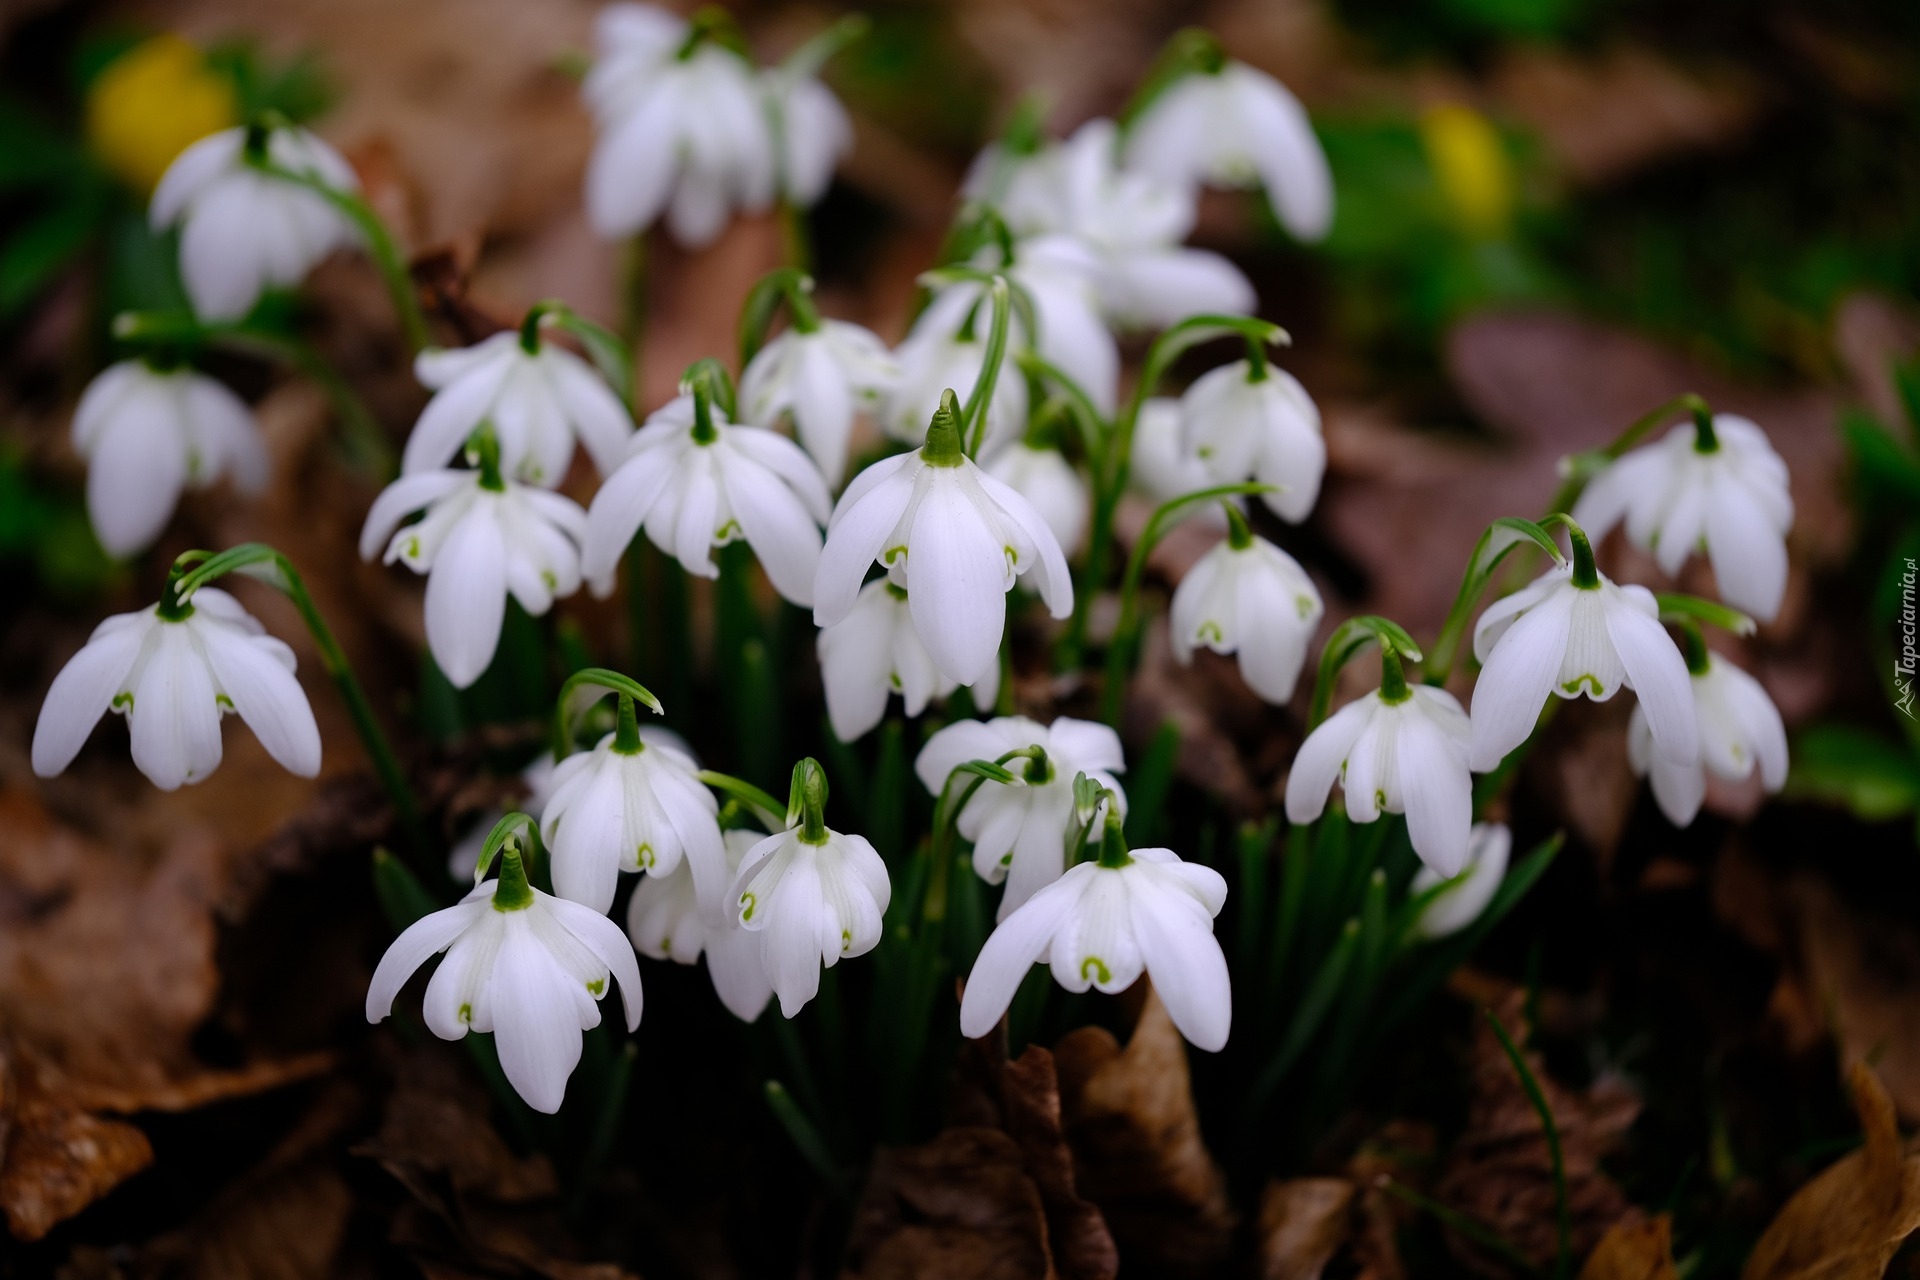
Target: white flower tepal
[[875, 652], [528, 967], [1740, 732], [173, 670], [1046, 479], [665, 921], [1249, 598], [537, 401], [821, 378], [1020, 830], [1247, 422], [1470, 891], [482, 539], [149, 434], [245, 230], [1723, 491]]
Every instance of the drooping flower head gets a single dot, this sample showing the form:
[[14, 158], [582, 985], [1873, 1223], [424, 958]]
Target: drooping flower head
[[1740, 733], [1469, 891], [245, 229], [947, 347], [148, 434], [1251, 421], [875, 652], [1045, 478], [953, 536], [526, 966], [820, 374], [665, 921], [1249, 598]]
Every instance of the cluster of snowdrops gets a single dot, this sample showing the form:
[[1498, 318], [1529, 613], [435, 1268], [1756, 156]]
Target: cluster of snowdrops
[[1011, 449]]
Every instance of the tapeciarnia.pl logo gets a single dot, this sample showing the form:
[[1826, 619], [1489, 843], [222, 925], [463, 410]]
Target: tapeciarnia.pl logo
[[1906, 660]]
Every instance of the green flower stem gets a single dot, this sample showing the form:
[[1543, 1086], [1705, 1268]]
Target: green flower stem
[[1694, 645], [1346, 642], [791, 285], [1563, 1252], [1113, 840], [257, 560], [1500, 537], [1581, 467], [584, 688], [1122, 652], [381, 247], [771, 812], [980, 400], [807, 801], [946, 818]]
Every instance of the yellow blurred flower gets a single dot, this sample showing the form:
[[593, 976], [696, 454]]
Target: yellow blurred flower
[[150, 104], [1471, 167]]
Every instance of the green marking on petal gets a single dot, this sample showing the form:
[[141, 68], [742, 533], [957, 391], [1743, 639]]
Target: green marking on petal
[[123, 702], [893, 680], [846, 939], [1098, 967], [466, 1014], [1590, 681], [727, 532], [597, 988], [747, 905], [222, 701], [1210, 632], [645, 857], [1006, 859], [1380, 800], [891, 554], [1304, 604], [1204, 451], [546, 576]]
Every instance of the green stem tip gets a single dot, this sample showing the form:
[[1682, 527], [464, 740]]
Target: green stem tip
[[807, 801]]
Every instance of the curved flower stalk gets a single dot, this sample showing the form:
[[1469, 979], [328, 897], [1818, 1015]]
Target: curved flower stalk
[[953, 536], [245, 230], [812, 896], [536, 787], [1215, 121], [1130, 221], [683, 125], [948, 347], [1398, 749], [1103, 924], [1020, 829], [1574, 633], [148, 434], [1715, 485], [1248, 598], [482, 538], [811, 128], [1740, 732], [1465, 895], [875, 652], [634, 802], [524, 965], [1248, 420], [1045, 478], [695, 481], [173, 670], [665, 921], [537, 398], [820, 374]]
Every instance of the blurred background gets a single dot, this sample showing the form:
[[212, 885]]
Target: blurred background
[[1551, 216]]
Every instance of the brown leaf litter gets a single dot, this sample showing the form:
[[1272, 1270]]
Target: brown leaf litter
[[1634, 1250]]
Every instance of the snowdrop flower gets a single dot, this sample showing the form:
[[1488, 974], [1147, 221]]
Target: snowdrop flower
[[147, 435], [537, 397], [1244, 421], [1717, 486], [1249, 598], [813, 133], [1574, 633], [696, 482], [1470, 890], [1020, 830], [632, 803], [1232, 126], [1132, 223], [244, 230], [1047, 480], [819, 373], [1163, 469], [875, 652], [683, 128], [942, 352], [665, 922], [1101, 925], [536, 785], [524, 965], [173, 670], [953, 536], [812, 896], [1740, 731], [482, 539], [1399, 749]]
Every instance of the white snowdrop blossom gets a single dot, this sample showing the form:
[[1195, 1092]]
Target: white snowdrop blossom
[[665, 922], [683, 129], [954, 537], [1399, 749], [1730, 500], [695, 481], [1470, 890], [813, 132], [173, 671], [812, 896], [1252, 600], [1237, 127], [943, 351], [1557, 637], [244, 230], [1132, 222], [1102, 926], [1164, 469], [482, 538], [524, 965], [1244, 423], [148, 435], [820, 378], [1740, 731], [537, 401], [632, 803], [1019, 830], [873, 653], [1046, 479]]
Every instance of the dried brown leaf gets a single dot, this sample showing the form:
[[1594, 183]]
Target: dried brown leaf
[[1634, 1251], [961, 1207], [1303, 1223], [1849, 1221]]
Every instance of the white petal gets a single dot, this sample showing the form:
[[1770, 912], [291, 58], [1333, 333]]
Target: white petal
[[1437, 792], [425, 937], [1014, 947], [137, 470], [174, 720], [265, 694], [957, 582], [603, 937], [84, 689], [619, 509], [1317, 765], [1518, 678], [778, 528], [467, 597], [630, 174], [1658, 674], [401, 499], [1748, 553], [1183, 958], [866, 517], [536, 1027], [455, 411]]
